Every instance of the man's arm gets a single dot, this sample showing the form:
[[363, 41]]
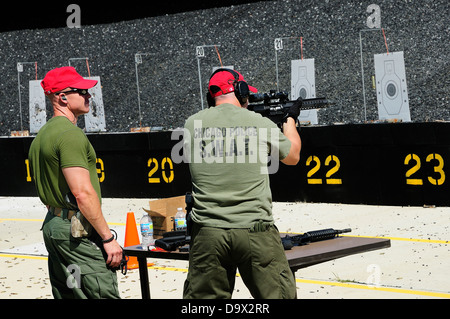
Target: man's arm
[[290, 131], [89, 204]]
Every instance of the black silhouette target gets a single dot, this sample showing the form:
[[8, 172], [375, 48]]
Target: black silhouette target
[[392, 92], [303, 84]]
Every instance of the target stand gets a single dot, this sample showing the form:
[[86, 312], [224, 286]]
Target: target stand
[[392, 92]]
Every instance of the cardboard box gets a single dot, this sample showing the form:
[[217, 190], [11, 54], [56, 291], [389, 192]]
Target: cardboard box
[[162, 213]]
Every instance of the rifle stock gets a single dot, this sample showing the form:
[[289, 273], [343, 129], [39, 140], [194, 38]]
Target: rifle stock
[[172, 240]]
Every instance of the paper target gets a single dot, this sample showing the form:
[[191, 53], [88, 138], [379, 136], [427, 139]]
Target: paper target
[[38, 115], [303, 84], [392, 92], [95, 119]]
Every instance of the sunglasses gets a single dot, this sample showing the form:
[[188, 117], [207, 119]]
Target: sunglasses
[[79, 91]]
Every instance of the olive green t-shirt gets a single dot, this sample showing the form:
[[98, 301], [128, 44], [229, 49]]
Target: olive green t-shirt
[[60, 144], [227, 148]]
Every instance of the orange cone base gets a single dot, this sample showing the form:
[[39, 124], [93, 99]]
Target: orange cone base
[[133, 263]]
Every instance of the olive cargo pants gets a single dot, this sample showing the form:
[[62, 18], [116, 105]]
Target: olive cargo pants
[[216, 253], [77, 268]]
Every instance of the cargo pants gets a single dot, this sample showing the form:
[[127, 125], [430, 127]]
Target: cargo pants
[[77, 267], [217, 253]]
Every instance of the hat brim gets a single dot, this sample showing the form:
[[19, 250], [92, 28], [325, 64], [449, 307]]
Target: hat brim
[[84, 84], [253, 89]]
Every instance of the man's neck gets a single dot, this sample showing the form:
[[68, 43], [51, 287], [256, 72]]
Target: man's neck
[[228, 100], [59, 111]]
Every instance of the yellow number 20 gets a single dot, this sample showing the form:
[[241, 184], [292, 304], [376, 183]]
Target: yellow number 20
[[166, 170]]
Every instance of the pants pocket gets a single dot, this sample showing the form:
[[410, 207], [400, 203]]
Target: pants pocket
[[100, 285], [288, 287]]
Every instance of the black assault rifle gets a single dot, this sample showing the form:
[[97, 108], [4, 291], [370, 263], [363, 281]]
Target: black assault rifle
[[172, 240], [311, 236], [275, 105]]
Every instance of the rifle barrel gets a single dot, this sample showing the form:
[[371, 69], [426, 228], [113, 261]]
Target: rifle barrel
[[307, 104], [311, 236]]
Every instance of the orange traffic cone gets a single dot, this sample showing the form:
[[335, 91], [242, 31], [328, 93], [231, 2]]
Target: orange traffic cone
[[131, 239]]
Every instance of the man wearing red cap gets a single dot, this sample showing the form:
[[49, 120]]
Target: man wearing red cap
[[63, 165], [232, 226]]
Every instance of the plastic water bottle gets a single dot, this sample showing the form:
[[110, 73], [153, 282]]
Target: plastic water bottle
[[146, 232], [180, 220]]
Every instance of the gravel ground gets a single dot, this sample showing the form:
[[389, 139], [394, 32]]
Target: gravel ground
[[414, 267], [169, 79]]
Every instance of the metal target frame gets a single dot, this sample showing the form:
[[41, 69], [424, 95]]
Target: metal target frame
[[150, 68], [278, 46], [362, 68], [407, 116], [138, 60], [305, 116], [200, 53]]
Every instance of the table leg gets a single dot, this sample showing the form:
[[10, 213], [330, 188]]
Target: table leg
[[143, 275], [293, 270]]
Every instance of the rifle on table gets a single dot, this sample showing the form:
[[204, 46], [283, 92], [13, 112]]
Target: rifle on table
[[275, 105], [172, 240], [311, 236]]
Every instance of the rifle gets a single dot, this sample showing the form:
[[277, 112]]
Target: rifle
[[276, 110], [311, 236], [172, 240]]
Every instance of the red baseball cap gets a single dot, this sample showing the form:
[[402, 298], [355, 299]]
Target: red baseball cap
[[224, 80], [65, 77]]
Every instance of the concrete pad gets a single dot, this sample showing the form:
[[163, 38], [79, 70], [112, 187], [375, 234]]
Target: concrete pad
[[416, 266]]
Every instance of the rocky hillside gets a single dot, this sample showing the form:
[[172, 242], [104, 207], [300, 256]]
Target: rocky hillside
[[169, 76]]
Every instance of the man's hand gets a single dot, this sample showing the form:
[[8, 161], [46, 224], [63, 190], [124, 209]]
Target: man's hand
[[114, 252], [294, 110]]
